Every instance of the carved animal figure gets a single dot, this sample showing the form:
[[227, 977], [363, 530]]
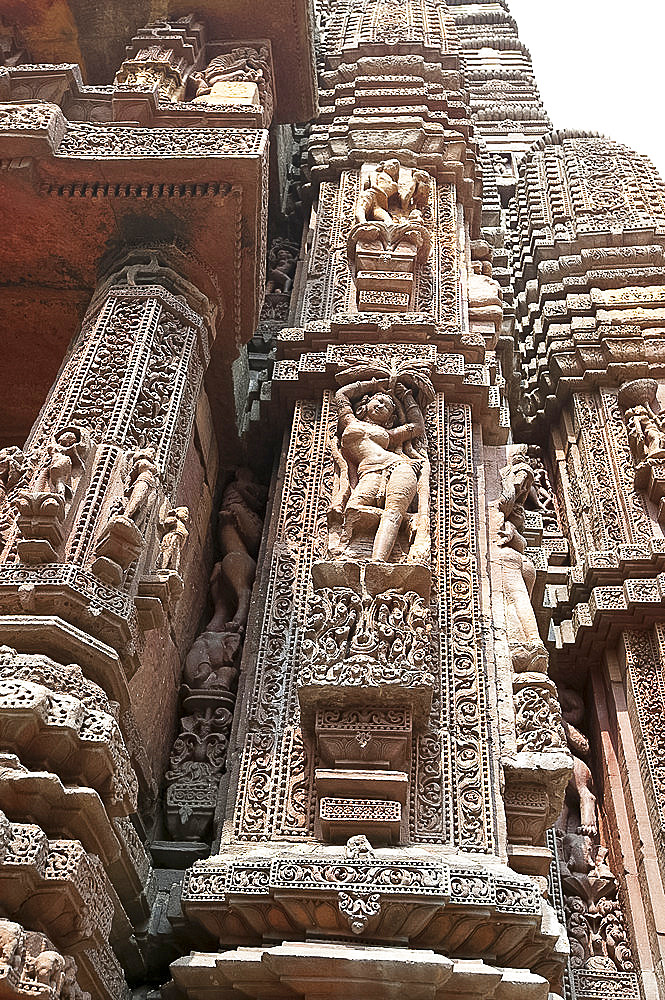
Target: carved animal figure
[[48, 969], [212, 661], [414, 195], [11, 944]]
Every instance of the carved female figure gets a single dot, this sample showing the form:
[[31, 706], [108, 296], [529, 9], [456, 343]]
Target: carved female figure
[[380, 424], [143, 485], [519, 573], [645, 434], [66, 449]]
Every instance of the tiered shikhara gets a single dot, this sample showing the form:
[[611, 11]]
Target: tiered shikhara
[[395, 722]]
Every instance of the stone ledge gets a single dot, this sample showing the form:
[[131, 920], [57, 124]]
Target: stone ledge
[[609, 610], [61, 733], [479, 385], [56, 887], [80, 811], [70, 592], [428, 902], [338, 971]]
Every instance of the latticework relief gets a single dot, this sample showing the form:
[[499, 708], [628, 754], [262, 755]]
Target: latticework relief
[[640, 526], [645, 683], [121, 413], [609, 524], [301, 536]]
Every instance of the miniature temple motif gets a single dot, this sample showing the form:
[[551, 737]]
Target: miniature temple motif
[[332, 512]]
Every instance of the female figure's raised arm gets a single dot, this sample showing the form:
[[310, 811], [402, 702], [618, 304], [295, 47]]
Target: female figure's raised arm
[[415, 428]]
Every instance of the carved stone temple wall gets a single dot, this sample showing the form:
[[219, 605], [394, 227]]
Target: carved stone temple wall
[[332, 508]]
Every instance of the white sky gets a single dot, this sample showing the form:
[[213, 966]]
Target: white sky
[[600, 66]]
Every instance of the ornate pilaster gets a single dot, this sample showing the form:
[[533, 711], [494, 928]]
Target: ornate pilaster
[[93, 541], [365, 709]]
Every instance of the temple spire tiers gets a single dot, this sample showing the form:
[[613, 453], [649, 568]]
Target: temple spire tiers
[[358, 803]]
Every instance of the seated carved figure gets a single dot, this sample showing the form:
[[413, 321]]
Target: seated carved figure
[[380, 425]]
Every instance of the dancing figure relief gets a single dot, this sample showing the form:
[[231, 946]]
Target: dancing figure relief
[[380, 450]]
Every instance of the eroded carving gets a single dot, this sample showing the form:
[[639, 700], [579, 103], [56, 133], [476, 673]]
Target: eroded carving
[[173, 531], [242, 75], [212, 665], [518, 572]]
